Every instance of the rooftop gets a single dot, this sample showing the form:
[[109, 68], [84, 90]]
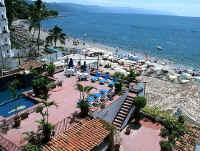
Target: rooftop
[[81, 137], [30, 65]]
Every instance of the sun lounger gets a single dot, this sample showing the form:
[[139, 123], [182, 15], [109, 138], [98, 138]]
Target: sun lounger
[[107, 76], [91, 99], [95, 78]]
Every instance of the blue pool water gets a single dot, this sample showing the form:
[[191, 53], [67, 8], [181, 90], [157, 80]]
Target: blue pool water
[[6, 94], [8, 109]]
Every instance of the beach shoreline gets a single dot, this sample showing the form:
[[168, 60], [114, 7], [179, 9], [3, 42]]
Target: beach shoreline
[[162, 93]]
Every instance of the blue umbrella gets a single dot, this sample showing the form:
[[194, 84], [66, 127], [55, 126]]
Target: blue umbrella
[[91, 99], [71, 63], [97, 95], [103, 91], [84, 67]]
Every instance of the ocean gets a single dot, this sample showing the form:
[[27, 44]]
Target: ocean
[[178, 36]]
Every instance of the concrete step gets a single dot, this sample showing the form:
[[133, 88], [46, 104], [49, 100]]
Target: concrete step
[[127, 103], [124, 109], [118, 121], [121, 115], [122, 112], [127, 100], [125, 106], [117, 124], [120, 118], [130, 97]]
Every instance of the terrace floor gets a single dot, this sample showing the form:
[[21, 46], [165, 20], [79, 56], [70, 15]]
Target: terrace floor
[[145, 138], [65, 97]]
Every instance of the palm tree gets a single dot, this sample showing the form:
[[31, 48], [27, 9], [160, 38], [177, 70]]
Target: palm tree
[[56, 34], [83, 90], [38, 12], [83, 104]]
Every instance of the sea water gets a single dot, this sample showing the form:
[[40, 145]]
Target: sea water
[[178, 36]]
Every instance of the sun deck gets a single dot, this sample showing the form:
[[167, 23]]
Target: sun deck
[[66, 97]]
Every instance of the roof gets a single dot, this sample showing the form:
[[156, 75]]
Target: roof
[[30, 65], [81, 137]]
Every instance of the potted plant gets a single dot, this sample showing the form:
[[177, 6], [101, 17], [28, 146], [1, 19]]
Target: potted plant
[[17, 121]]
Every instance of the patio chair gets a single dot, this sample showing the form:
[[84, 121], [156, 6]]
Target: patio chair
[[107, 76], [112, 83], [95, 78]]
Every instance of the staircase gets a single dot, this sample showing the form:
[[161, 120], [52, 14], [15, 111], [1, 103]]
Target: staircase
[[124, 113]]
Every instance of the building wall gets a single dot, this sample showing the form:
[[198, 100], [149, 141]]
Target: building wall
[[5, 44]]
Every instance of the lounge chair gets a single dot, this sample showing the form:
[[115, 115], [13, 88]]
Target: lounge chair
[[112, 83], [95, 78], [107, 76], [91, 99]]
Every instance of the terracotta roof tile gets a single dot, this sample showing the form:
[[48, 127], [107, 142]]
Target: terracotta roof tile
[[81, 137]]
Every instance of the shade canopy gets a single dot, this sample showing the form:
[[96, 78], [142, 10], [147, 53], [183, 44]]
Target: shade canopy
[[84, 67], [97, 95], [103, 91]]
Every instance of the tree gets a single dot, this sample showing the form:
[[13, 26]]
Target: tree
[[45, 129], [40, 86], [118, 87], [139, 103], [38, 13], [51, 69], [83, 90], [55, 35], [131, 77], [83, 104]]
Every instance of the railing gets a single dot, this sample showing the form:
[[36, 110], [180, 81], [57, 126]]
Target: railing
[[8, 145]]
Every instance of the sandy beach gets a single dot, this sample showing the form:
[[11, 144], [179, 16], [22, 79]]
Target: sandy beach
[[167, 95]]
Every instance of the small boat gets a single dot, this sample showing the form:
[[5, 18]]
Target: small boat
[[159, 48]]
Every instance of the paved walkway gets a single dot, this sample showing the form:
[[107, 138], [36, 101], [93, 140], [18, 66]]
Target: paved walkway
[[146, 138], [65, 97]]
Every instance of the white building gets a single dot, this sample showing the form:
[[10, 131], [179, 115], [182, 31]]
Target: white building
[[5, 44]]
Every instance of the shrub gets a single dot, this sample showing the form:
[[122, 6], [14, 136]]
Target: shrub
[[166, 146], [102, 106], [24, 115], [140, 102], [51, 86], [181, 119], [164, 132], [118, 88], [51, 69], [40, 86]]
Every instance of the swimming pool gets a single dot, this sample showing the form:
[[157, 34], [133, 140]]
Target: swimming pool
[[17, 105], [7, 95]]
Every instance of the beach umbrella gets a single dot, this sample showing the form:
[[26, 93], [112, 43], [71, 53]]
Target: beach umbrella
[[185, 76], [84, 67], [71, 63]]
